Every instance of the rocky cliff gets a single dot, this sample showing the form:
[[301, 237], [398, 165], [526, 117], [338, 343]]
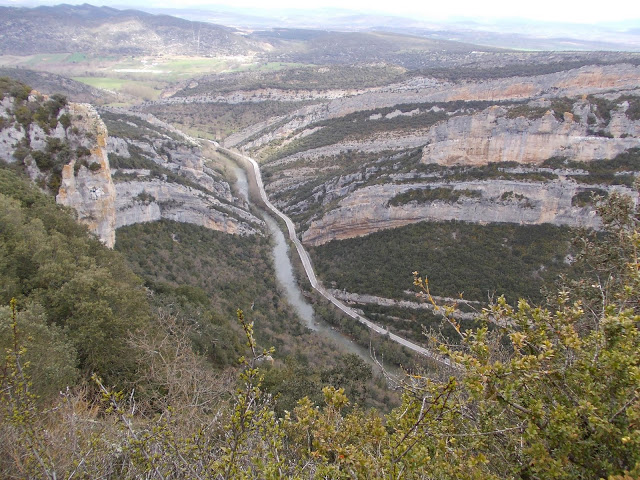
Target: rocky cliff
[[338, 166], [425, 90], [368, 209], [494, 135], [63, 148], [157, 171], [162, 173], [90, 190]]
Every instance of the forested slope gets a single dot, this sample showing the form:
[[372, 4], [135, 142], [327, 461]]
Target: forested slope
[[554, 392]]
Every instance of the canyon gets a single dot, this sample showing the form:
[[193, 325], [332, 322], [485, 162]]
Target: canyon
[[582, 115], [106, 198]]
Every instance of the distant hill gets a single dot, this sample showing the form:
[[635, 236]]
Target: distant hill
[[104, 30], [50, 83], [505, 33], [347, 48]]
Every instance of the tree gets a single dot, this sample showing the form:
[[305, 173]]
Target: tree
[[553, 392]]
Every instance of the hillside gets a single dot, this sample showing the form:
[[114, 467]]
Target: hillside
[[128, 170], [523, 144], [108, 31], [51, 83], [166, 202], [180, 416], [434, 183]]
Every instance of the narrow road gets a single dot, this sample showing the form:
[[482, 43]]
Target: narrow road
[[308, 268]]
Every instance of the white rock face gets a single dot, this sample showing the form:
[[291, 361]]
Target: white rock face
[[150, 197], [87, 186], [148, 201], [91, 193], [490, 136], [367, 210], [571, 83]]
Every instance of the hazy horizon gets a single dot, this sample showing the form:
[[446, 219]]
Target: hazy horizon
[[547, 11]]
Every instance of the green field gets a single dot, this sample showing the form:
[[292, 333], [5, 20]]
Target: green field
[[109, 83]]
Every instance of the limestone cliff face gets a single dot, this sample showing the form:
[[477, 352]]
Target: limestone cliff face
[[367, 209], [90, 191], [148, 201], [63, 147], [66, 148], [406, 136], [490, 136], [570, 83], [176, 183]]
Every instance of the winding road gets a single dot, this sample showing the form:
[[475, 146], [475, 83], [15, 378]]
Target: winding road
[[315, 283]]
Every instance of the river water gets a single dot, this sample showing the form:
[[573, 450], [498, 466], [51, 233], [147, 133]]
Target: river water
[[287, 281]]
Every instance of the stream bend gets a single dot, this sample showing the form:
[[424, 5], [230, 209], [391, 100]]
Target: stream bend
[[315, 283]]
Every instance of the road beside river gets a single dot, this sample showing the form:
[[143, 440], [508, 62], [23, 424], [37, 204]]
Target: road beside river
[[308, 267]]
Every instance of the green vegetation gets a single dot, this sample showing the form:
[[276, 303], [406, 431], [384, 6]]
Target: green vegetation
[[109, 83], [602, 107], [201, 277], [620, 170], [558, 107], [296, 78], [137, 161], [428, 195], [160, 140], [633, 111], [530, 67], [475, 260], [527, 111], [218, 120], [231, 272], [362, 168], [511, 196], [47, 114], [141, 89], [67, 285], [587, 197], [360, 124], [135, 128], [44, 113], [561, 105], [553, 393]]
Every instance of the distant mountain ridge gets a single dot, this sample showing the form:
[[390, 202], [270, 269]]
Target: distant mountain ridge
[[502, 33], [105, 30]]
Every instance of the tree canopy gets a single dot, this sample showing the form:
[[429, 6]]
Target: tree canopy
[[548, 392]]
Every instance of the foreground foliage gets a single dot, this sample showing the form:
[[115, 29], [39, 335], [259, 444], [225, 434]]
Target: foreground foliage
[[550, 392], [80, 297]]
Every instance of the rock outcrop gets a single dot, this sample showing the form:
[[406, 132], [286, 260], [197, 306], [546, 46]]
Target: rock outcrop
[[490, 136], [66, 148], [176, 183], [63, 147], [148, 201], [90, 190], [420, 90], [368, 210], [425, 132]]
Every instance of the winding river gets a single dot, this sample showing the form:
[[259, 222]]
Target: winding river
[[287, 281], [254, 169]]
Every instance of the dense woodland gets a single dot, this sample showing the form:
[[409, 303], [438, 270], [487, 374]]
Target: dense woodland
[[101, 380], [475, 261]]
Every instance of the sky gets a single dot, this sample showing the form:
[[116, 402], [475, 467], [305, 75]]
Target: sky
[[572, 11]]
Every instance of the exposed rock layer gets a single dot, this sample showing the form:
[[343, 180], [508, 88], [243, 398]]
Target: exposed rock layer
[[367, 209], [180, 188], [91, 193]]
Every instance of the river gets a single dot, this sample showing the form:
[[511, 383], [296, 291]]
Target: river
[[287, 281]]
